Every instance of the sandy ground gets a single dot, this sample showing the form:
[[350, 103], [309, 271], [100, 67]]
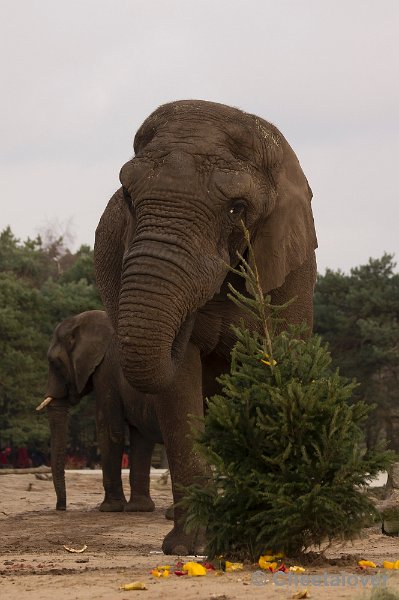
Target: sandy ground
[[122, 548]]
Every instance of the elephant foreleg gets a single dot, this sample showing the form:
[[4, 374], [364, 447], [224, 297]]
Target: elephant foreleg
[[182, 399], [140, 464]]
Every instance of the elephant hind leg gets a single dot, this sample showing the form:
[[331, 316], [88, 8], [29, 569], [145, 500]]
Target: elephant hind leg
[[111, 437], [112, 504], [139, 504], [141, 449]]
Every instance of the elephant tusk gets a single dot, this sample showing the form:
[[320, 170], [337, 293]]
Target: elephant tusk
[[44, 403]]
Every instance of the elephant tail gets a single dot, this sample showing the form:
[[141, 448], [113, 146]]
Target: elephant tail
[[58, 412]]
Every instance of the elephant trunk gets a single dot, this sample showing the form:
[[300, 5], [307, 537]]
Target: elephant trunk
[[162, 288], [58, 412]]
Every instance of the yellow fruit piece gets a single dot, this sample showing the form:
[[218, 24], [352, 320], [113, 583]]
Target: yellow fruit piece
[[269, 363], [267, 558], [135, 585], [296, 569], [270, 558], [390, 565], [160, 572], [367, 564], [230, 566], [194, 569], [267, 564]]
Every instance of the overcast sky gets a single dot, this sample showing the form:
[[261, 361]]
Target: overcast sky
[[79, 76]]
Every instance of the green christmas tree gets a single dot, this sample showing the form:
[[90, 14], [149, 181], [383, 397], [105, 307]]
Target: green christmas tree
[[285, 443]]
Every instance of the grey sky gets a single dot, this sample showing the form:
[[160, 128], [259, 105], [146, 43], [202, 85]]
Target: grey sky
[[79, 77]]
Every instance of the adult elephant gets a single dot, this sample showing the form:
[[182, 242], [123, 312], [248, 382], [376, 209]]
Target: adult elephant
[[82, 358], [163, 246]]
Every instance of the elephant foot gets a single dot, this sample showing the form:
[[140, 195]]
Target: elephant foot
[[61, 505], [179, 543], [170, 513], [112, 505], [139, 504]]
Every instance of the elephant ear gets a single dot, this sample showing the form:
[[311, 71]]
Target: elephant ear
[[91, 337], [113, 235], [285, 237]]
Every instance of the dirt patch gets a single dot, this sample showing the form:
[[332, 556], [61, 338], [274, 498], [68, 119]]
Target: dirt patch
[[124, 547]]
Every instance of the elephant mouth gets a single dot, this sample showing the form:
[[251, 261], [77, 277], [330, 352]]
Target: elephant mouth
[[181, 340], [67, 392]]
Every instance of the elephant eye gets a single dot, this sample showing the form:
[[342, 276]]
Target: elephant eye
[[237, 208], [128, 199], [56, 363], [126, 196]]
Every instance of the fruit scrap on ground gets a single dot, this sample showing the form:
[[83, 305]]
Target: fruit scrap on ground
[[366, 564], [269, 562], [194, 569], [75, 550], [301, 594], [390, 565], [230, 566], [162, 571], [135, 585]]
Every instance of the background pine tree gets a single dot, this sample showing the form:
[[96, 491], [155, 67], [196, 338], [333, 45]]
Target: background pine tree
[[39, 286], [358, 315]]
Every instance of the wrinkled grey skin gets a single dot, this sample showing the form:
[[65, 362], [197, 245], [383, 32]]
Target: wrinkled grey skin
[[163, 246], [83, 358]]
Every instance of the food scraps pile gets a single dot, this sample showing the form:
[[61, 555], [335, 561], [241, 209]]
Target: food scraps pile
[[268, 562]]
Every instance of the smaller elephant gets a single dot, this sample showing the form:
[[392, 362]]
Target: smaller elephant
[[83, 357]]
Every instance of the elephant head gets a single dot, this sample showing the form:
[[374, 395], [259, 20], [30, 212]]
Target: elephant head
[[78, 346], [167, 237]]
